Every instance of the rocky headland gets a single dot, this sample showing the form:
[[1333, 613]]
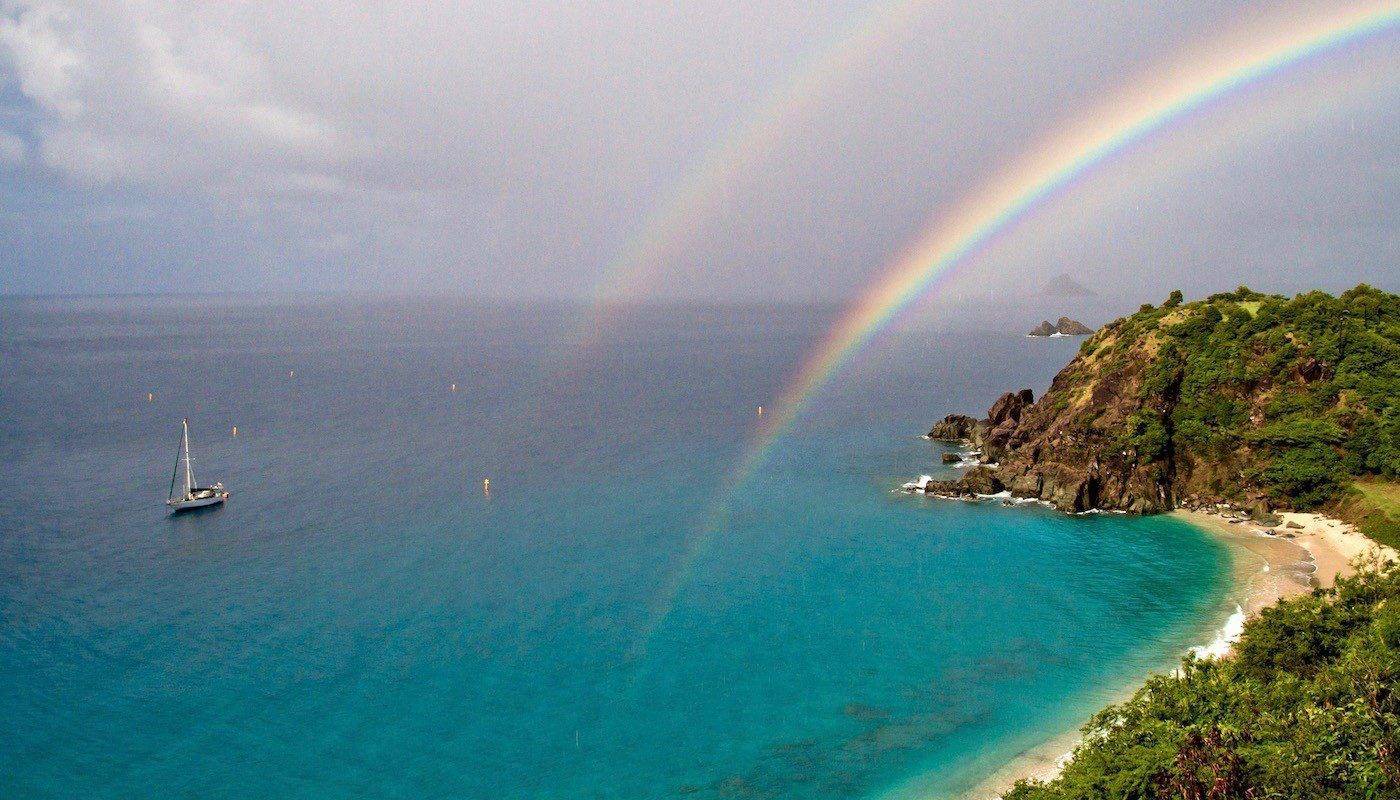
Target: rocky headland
[[1249, 400]]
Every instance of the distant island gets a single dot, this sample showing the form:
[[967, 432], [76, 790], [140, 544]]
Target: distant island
[[1064, 285], [1065, 327], [1242, 408]]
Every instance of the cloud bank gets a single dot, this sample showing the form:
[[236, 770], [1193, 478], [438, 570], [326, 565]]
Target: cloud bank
[[512, 149]]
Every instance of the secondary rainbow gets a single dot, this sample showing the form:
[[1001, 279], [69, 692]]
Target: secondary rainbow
[[952, 241], [630, 273]]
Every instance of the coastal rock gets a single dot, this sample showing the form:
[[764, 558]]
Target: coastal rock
[[955, 428], [1070, 327], [1064, 327], [981, 480], [951, 458]]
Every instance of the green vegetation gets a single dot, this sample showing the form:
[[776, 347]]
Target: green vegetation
[[1373, 506], [1308, 707], [1301, 395], [1383, 495]]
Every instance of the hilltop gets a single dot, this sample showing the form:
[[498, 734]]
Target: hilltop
[[1256, 400]]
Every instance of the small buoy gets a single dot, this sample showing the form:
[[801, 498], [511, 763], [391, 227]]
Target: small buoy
[[486, 486], [454, 387], [150, 397], [760, 411], [291, 373], [235, 430]]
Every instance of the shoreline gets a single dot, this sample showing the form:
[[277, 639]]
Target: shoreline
[[1266, 568]]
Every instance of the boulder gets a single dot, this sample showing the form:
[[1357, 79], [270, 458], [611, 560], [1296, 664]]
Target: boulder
[[951, 458]]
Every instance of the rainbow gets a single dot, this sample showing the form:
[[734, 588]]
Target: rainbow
[[701, 190], [951, 242]]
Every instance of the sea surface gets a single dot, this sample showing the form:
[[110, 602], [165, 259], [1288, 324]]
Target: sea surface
[[615, 620]]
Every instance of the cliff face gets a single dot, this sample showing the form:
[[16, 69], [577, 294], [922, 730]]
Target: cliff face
[[1250, 399], [1066, 449]]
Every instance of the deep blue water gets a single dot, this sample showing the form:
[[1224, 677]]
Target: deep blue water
[[361, 621]]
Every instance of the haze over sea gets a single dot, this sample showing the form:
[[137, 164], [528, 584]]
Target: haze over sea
[[361, 621]]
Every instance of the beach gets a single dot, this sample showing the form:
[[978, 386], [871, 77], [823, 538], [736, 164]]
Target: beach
[[1268, 565]]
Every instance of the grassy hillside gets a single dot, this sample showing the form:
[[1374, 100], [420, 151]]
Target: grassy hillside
[[1373, 505]]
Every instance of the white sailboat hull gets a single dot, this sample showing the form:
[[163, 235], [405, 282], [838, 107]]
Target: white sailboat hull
[[184, 504]]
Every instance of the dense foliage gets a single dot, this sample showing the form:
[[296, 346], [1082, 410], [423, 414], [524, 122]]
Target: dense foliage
[[1303, 394], [1308, 707]]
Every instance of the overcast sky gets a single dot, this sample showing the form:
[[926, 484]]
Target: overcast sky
[[516, 148]]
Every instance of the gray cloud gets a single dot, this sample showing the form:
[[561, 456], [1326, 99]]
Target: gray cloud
[[514, 148]]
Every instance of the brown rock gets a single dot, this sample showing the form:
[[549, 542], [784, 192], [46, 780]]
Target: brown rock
[[954, 428], [1009, 406], [981, 480]]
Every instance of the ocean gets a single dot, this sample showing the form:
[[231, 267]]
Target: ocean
[[614, 620]]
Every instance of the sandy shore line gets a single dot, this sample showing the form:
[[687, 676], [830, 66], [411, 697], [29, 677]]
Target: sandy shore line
[[1267, 568]]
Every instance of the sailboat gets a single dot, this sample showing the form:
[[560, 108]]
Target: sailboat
[[194, 495]]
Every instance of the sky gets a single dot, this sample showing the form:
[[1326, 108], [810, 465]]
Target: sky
[[523, 149]]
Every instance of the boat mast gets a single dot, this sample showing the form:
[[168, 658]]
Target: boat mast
[[175, 473], [189, 470]]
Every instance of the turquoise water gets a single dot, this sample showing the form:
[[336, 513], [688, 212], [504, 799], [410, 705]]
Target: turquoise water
[[361, 621]]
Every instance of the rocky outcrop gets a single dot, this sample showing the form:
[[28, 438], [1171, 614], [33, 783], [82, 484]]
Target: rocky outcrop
[[1065, 327], [1067, 448], [1003, 420], [1070, 327], [977, 481], [956, 428]]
